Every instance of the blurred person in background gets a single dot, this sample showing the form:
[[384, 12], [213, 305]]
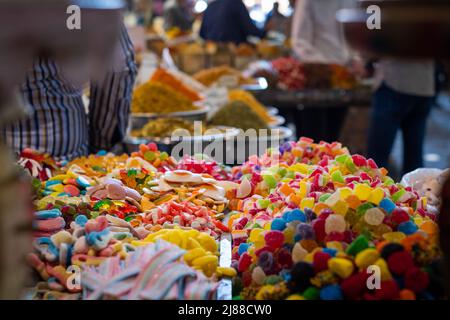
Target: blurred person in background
[[317, 37], [278, 22], [178, 14], [228, 21], [402, 101], [58, 123]]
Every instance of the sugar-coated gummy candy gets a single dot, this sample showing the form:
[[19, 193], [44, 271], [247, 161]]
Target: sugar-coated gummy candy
[[331, 292], [274, 239], [416, 280], [278, 224], [320, 261], [319, 229], [366, 258], [399, 216], [374, 216], [312, 293], [298, 253], [331, 251], [384, 269], [301, 275], [399, 262], [335, 223], [408, 227], [387, 205], [358, 245], [258, 275], [340, 266], [305, 231], [265, 261], [244, 262], [297, 215], [243, 247]]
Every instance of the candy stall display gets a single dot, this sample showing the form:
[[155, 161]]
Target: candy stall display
[[306, 220]]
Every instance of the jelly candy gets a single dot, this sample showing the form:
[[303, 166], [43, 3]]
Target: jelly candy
[[296, 215], [335, 223], [408, 227], [399, 262], [399, 216], [244, 262], [312, 293], [319, 229], [387, 204], [274, 239], [331, 292], [298, 253], [305, 231], [358, 245], [243, 247], [266, 261], [374, 216], [258, 275], [363, 191], [278, 224], [340, 266], [320, 261], [366, 257]]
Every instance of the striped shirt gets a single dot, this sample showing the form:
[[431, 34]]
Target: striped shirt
[[58, 123]]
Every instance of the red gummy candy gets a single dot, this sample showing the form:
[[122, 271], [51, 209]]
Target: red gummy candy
[[244, 262], [372, 164], [354, 286], [319, 229], [389, 291], [399, 262], [359, 160], [284, 259], [152, 146], [320, 261], [274, 239], [263, 249], [247, 278], [416, 280], [399, 216], [335, 236]]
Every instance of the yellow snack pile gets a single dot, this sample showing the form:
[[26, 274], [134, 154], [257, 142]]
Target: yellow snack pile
[[155, 97], [250, 100]]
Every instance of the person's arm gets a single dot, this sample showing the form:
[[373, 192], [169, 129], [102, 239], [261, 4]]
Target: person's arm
[[245, 22], [303, 33], [110, 99]]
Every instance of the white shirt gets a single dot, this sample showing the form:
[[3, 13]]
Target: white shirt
[[316, 34], [414, 77]]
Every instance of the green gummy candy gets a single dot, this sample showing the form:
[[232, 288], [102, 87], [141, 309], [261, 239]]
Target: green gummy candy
[[271, 280], [389, 181], [350, 165], [358, 245], [312, 293], [337, 176], [396, 196], [163, 156], [270, 181], [342, 158], [149, 156], [324, 197], [361, 210]]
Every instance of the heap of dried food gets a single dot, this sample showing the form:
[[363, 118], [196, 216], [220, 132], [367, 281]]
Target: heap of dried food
[[155, 97], [239, 115]]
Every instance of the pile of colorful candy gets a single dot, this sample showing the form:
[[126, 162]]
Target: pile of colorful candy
[[185, 214], [312, 227], [181, 186], [86, 242], [307, 221]]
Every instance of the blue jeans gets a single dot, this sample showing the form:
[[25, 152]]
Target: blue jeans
[[392, 111]]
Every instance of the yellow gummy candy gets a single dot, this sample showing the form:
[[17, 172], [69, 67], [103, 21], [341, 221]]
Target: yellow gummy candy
[[340, 266], [345, 192], [207, 242], [384, 270], [376, 196], [341, 207], [227, 272], [193, 254], [366, 258], [307, 203], [394, 236], [363, 191]]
